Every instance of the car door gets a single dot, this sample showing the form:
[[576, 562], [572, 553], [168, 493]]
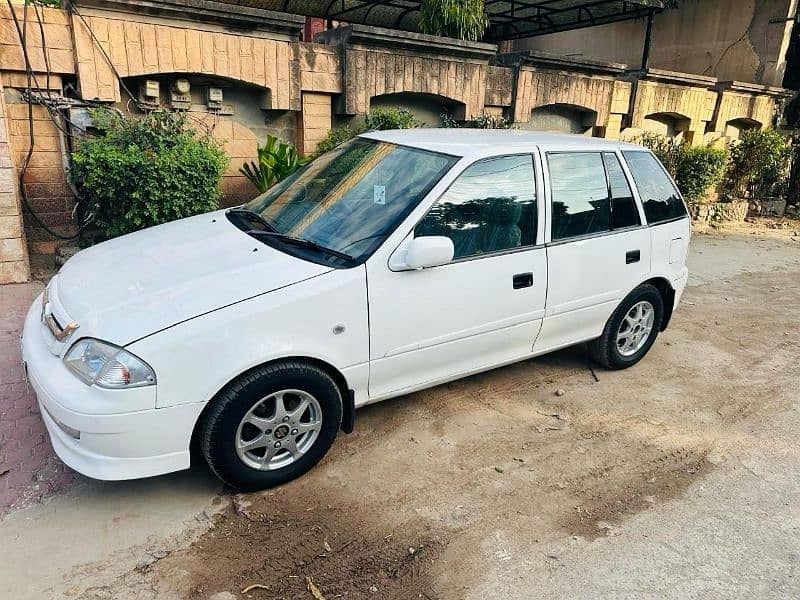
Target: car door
[[480, 310], [665, 213], [598, 249]]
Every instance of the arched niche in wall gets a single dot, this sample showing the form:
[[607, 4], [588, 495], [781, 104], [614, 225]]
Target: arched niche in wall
[[736, 127], [231, 110], [668, 124], [564, 118], [427, 108], [212, 99]]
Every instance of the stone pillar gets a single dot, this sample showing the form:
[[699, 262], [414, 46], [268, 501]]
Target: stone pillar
[[315, 121], [14, 265], [613, 127]]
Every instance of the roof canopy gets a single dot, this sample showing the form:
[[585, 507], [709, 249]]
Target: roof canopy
[[509, 19]]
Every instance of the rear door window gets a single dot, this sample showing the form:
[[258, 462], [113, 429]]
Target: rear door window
[[660, 199], [623, 207], [581, 204]]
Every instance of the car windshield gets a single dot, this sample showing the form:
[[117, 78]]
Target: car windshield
[[349, 199]]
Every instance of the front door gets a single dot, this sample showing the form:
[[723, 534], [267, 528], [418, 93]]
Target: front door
[[598, 250], [482, 309]]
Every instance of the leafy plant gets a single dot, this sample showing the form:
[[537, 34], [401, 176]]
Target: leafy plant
[[144, 171], [377, 119], [696, 169], [390, 118], [276, 161], [484, 121], [334, 137], [759, 165], [460, 19], [701, 168]]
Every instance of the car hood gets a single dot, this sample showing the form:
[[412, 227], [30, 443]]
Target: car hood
[[138, 284]]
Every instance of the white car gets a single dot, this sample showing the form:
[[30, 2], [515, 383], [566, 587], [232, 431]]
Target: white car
[[396, 262]]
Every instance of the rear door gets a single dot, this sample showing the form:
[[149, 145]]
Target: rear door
[[598, 250], [665, 213]]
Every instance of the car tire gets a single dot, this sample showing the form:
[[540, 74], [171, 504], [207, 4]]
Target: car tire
[[244, 421], [615, 351]]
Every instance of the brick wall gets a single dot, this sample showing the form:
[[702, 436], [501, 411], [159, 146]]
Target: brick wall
[[298, 89], [13, 252], [316, 121], [45, 179]]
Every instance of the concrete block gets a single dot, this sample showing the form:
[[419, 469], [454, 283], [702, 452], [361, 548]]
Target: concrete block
[[14, 272]]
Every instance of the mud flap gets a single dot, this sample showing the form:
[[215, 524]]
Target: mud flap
[[349, 412]]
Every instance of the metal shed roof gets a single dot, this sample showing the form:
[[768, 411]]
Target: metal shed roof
[[509, 19]]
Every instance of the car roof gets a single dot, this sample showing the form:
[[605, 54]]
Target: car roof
[[488, 142]]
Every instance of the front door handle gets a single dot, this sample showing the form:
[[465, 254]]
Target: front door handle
[[632, 256], [523, 280]]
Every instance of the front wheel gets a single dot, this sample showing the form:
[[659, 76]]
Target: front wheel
[[631, 331], [271, 425]]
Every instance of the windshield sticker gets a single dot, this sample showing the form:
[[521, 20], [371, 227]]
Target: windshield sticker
[[379, 194]]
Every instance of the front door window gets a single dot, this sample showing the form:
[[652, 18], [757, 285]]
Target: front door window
[[489, 208]]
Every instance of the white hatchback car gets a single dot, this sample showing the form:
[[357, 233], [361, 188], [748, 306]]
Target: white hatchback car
[[398, 261]]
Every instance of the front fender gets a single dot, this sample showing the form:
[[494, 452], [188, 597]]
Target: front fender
[[193, 360]]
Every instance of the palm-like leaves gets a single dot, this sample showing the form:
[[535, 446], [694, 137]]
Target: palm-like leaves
[[276, 161], [461, 19]]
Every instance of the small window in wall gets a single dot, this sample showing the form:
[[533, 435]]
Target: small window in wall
[[580, 194], [490, 207], [660, 199], [623, 207]]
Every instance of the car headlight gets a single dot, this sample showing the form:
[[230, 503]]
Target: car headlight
[[107, 365]]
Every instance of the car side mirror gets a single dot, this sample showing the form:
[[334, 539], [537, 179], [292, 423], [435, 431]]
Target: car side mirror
[[429, 251]]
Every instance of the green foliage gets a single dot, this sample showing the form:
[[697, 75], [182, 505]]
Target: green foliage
[[460, 19], [335, 137], [390, 118], [696, 169], [377, 119], [276, 161], [701, 168], [144, 171], [759, 165], [483, 121]]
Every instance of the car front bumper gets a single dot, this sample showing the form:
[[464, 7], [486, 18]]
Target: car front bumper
[[108, 446]]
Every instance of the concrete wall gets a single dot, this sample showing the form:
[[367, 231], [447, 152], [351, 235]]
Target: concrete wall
[[14, 265], [726, 39], [298, 91]]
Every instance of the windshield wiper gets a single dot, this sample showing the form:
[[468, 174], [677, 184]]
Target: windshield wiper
[[296, 241], [251, 216]]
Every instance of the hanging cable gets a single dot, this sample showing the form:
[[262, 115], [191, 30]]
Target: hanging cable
[[74, 9], [22, 32]]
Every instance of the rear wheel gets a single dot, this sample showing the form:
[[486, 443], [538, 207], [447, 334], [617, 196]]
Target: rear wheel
[[631, 330], [271, 425]]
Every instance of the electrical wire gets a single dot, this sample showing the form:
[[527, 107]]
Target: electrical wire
[[30, 75], [74, 9]]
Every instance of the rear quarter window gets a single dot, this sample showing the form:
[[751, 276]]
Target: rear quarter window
[[661, 200]]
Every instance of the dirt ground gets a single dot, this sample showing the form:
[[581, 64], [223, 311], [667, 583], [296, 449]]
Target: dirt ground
[[549, 478]]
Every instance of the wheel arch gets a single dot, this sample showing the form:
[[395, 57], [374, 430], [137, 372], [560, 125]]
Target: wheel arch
[[667, 295], [348, 399]]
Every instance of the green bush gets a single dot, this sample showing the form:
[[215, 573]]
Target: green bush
[[335, 137], [483, 121], [759, 165], [143, 171], [276, 161], [696, 169], [377, 119], [390, 118], [701, 168], [460, 19]]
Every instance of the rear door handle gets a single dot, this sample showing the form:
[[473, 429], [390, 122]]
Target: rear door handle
[[632, 256], [523, 280]]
